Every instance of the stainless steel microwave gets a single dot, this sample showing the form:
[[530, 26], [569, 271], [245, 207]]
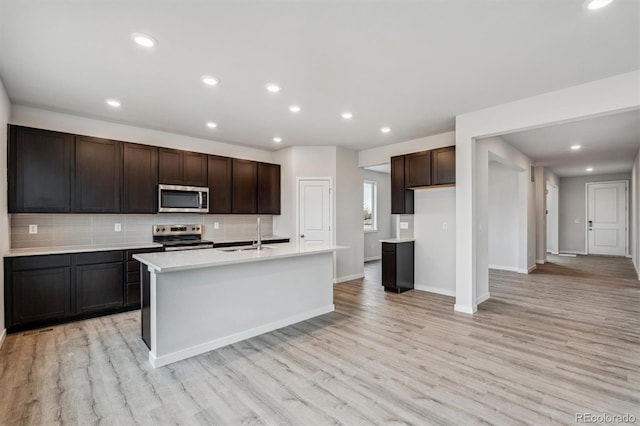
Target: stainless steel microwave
[[183, 199]]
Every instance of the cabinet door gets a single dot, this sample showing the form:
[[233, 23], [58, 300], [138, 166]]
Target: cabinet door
[[444, 166], [140, 192], [41, 295], [401, 198], [389, 269], [99, 287], [268, 188], [40, 171], [245, 186], [417, 169], [98, 175], [195, 169], [170, 166], [220, 175]]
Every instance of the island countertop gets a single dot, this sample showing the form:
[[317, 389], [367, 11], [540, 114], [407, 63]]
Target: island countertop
[[205, 258]]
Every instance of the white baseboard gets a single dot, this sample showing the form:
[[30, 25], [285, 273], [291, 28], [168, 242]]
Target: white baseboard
[[584, 253], [348, 278], [234, 338], [531, 269], [483, 298], [2, 336], [552, 252], [465, 309], [541, 261], [505, 268], [437, 290], [372, 258]]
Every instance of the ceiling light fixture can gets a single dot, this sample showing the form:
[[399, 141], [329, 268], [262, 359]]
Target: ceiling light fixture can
[[596, 4], [294, 108], [211, 125], [273, 88], [144, 40], [113, 103], [589, 169], [277, 139], [385, 129], [209, 80], [347, 115], [576, 147]]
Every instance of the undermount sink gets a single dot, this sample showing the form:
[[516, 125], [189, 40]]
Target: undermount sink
[[241, 248]]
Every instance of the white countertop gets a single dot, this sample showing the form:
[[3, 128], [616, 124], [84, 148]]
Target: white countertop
[[205, 258], [397, 240], [77, 249]]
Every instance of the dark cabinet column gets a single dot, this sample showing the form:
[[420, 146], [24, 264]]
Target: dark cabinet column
[[140, 193], [98, 175], [398, 266], [195, 169], [170, 166], [444, 166], [245, 186], [401, 198], [40, 170], [417, 169], [220, 176], [268, 188]]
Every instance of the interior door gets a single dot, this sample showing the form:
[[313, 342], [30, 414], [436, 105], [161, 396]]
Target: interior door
[[314, 212], [607, 218]]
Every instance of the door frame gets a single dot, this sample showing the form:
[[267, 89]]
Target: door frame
[[626, 216], [556, 214], [331, 206]]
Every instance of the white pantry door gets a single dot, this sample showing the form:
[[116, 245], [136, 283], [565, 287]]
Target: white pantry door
[[314, 197], [607, 218]]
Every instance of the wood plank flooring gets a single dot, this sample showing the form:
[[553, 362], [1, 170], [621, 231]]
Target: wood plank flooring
[[562, 340]]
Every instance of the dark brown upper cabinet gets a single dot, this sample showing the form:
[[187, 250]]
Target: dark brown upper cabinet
[[268, 188], [245, 187], [220, 176], [401, 198], [417, 169], [140, 171], [177, 167], [98, 175], [444, 166], [40, 170]]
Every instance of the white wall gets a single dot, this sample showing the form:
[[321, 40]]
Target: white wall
[[372, 245], [503, 217], [383, 154], [349, 201], [609, 95], [435, 265], [5, 108], [635, 214], [43, 119], [572, 209], [552, 218]]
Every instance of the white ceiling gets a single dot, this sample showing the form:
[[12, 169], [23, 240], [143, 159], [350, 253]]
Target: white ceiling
[[410, 65], [609, 144]]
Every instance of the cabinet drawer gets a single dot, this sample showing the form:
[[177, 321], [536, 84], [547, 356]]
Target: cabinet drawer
[[133, 294], [133, 277], [133, 266], [99, 257], [389, 247], [130, 253], [41, 262]]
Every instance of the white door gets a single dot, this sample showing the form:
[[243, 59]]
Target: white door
[[607, 218], [314, 197]]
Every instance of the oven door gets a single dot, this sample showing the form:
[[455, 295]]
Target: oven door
[[182, 199]]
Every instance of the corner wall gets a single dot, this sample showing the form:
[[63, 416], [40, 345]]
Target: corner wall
[[503, 199], [5, 109], [635, 214], [372, 245]]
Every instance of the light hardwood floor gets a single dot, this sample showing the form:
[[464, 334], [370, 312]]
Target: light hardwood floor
[[562, 340]]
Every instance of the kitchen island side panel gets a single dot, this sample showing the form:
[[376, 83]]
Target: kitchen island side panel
[[198, 310]]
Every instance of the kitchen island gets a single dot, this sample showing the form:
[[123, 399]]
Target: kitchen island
[[198, 300]]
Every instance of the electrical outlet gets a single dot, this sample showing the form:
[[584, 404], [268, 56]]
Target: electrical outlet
[[404, 225], [117, 227], [33, 229], [216, 225], [444, 226]]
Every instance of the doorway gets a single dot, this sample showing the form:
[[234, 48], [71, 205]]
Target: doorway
[[607, 218], [552, 214], [314, 212]]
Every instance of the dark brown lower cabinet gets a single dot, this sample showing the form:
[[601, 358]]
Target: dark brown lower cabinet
[[398, 266], [132, 293], [99, 279]]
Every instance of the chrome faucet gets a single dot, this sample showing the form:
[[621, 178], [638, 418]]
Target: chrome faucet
[[258, 244]]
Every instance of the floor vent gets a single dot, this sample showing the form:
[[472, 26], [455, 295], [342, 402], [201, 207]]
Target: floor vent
[[32, 332]]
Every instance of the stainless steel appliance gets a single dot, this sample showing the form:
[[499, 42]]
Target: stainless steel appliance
[[183, 199], [180, 237]]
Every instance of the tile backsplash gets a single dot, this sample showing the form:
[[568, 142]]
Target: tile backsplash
[[99, 229]]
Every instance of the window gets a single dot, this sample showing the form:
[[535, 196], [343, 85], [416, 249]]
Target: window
[[370, 206]]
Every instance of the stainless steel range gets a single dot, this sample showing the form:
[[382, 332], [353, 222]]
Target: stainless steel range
[[180, 237]]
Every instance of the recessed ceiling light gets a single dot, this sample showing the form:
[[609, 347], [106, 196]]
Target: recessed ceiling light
[[144, 40], [273, 88], [294, 108], [211, 125], [347, 115], [576, 147], [209, 80], [385, 129], [596, 4], [277, 139], [113, 103], [589, 169]]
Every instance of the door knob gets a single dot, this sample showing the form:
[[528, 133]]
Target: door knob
[[301, 235]]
